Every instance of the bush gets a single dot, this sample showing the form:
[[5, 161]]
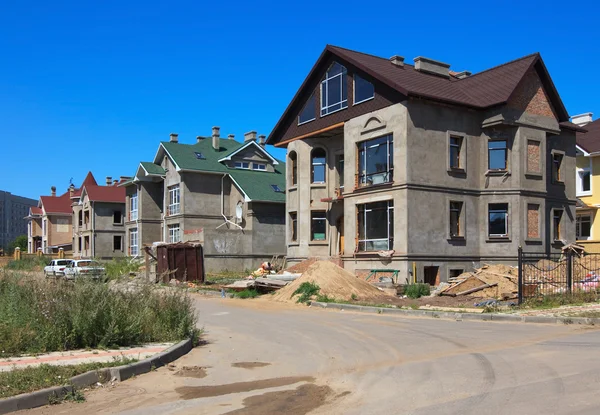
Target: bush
[[416, 290], [43, 316], [120, 267], [247, 293], [306, 290]]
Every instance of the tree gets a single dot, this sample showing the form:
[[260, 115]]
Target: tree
[[19, 242]]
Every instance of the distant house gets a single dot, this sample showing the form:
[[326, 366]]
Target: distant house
[[50, 224], [223, 193]]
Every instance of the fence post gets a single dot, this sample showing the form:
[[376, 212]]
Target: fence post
[[569, 271], [520, 280], [17, 254]]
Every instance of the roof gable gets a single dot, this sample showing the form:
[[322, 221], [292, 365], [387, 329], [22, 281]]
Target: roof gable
[[246, 146]]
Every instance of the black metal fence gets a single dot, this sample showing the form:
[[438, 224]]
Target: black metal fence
[[543, 274]]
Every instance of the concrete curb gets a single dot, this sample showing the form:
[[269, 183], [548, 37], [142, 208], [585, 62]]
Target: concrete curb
[[119, 373], [460, 316]]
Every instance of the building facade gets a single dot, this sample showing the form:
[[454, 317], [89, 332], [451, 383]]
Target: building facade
[[415, 167], [50, 224], [225, 194], [13, 210]]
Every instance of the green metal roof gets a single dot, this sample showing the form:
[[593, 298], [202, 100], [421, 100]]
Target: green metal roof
[[202, 157], [152, 168]]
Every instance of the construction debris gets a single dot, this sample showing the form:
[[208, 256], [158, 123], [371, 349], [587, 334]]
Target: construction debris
[[260, 284], [490, 281]]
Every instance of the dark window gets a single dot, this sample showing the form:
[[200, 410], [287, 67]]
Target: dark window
[[556, 167], [340, 170], [497, 155], [309, 111], [376, 226], [334, 90], [117, 243], [318, 226], [584, 227], [556, 219], [199, 156], [80, 218], [293, 226], [117, 217], [586, 181], [455, 145], [455, 222], [363, 89], [318, 165], [453, 273], [375, 161], [294, 168], [498, 219], [275, 188]]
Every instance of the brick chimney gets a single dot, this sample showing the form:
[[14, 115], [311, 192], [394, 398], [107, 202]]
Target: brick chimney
[[582, 119], [250, 136], [397, 60], [261, 140], [174, 138], [53, 191], [115, 182], [432, 67], [71, 190], [199, 139], [215, 138], [231, 137], [108, 180]]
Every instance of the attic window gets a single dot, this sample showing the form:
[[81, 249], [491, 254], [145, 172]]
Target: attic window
[[309, 111], [334, 91], [242, 165], [276, 188], [200, 156], [363, 90]]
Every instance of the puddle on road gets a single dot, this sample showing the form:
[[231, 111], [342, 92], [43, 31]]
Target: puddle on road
[[250, 365], [195, 392], [192, 372], [299, 401]]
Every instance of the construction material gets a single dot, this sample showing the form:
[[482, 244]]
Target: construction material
[[472, 290], [335, 283], [496, 281]]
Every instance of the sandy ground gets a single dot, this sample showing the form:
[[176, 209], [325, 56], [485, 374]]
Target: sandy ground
[[272, 358]]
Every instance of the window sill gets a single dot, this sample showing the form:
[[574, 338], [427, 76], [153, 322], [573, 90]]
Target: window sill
[[534, 174], [557, 243], [318, 243], [292, 188], [583, 194], [456, 170], [533, 241], [494, 173], [456, 238], [318, 185], [373, 186], [492, 239], [558, 182], [294, 243]]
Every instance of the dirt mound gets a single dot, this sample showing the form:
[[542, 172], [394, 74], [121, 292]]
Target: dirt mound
[[335, 283]]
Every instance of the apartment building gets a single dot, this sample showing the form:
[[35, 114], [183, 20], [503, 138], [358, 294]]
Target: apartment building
[[13, 210], [223, 193], [404, 166]]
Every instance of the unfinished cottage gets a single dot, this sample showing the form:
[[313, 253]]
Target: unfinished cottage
[[227, 195], [420, 169]]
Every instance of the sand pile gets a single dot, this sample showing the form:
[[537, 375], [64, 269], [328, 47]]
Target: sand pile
[[335, 283]]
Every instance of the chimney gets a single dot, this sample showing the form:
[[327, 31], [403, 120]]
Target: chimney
[[174, 138], [582, 119], [115, 182], [463, 74], [250, 136], [53, 191], [108, 180], [71, 190], [123, 178], [261, 140], [215, 138], [231, 137], [397, 60], [432, 67], [199, 139]]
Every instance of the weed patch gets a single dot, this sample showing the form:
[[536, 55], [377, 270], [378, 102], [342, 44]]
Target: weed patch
[[120, 267], [306, 291], [247, 293], [557, 300], [417, 290], [28, 263]]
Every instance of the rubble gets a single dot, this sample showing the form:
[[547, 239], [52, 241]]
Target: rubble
[[490, 281]]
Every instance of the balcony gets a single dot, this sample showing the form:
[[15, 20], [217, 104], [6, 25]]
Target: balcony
[[373, 179]]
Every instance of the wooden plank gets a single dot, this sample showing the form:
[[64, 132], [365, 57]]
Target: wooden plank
[[474, 290], [322, 130]]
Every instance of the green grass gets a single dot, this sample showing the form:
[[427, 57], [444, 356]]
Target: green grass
[[417, 290], [30, 379], [557, 300], [306, 291], [247, 293], [223, 278], [28, 263], [120, 267], [39, 316]]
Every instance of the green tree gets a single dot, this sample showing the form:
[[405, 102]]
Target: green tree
[[19, 242]]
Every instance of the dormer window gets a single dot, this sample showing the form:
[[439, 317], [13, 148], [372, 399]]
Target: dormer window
[[334, 90], [259, 166], [363, 90], [242, 165]]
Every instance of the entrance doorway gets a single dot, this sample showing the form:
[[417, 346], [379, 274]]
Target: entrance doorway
[[431, 275]]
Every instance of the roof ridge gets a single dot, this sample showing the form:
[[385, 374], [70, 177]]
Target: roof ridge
[[371, 55], [501, 65]]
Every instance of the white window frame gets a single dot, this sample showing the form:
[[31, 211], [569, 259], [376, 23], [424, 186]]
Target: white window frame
[[259, 166], [174, 200], [506, 223], [325, 105], [579, 178], [133, 242], [244, 165], [354, 101], [389, 239], [578, 226], [133, 206], [174, 233]]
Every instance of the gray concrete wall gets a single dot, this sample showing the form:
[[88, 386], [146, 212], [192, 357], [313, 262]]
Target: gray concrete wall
[[105, 228]]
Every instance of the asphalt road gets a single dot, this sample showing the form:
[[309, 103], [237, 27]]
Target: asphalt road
[[264, 358]]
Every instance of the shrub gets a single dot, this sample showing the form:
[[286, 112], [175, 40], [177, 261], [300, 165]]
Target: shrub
[[120, 267], [247, 293], [416, 290], [28, 263], [43, 316], [306, 290]]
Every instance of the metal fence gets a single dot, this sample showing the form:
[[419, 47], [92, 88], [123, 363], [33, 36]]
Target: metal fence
[[543, 274]]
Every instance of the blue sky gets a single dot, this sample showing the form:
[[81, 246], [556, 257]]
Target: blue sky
[[96, 85]]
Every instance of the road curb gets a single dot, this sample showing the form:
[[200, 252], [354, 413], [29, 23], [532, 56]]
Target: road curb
[[461, 316], [119, 373]]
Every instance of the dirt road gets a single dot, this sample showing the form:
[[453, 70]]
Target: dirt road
[[264, 358]]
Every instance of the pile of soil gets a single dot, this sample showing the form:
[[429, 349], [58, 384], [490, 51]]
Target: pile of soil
[[334, 282]]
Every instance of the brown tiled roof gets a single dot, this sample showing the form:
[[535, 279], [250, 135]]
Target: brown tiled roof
[[112, 194], [485, 89], [56, 204], [590, 141]]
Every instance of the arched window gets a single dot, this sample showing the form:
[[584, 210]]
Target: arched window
[[334, 90], [317, 159], [293, 166]]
